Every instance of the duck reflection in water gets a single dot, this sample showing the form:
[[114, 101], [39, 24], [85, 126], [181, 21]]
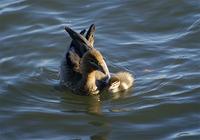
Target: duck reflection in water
[[95, 119], [84, 69]]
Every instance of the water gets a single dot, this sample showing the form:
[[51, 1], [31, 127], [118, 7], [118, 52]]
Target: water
[[157, 41]]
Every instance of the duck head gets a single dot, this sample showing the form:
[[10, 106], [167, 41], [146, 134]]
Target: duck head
[[92, 61]]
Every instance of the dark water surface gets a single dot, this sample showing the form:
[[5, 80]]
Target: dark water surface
[[158, 41]]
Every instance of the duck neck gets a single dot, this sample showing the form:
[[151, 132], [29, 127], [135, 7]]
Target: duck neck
[[89, 81]]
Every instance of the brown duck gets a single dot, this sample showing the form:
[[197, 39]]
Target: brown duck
[[78, 70], [120, 81]]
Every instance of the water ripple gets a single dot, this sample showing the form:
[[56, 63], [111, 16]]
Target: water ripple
[[157, 41]]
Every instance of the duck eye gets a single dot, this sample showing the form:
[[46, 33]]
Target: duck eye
[[92, 62]]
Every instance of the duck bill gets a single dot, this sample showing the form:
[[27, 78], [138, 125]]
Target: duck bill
[[105, 70]]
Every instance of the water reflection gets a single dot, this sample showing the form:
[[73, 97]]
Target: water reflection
[[91, 105], [94, 105], [100, 136]]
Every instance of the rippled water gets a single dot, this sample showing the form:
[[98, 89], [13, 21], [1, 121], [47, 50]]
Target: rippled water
[[157, 41]]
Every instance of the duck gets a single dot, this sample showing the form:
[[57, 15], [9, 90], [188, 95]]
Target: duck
[[86, 61], [80, 46]]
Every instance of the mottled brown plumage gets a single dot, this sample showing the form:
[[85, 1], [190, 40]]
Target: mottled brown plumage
[[92, 62]]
